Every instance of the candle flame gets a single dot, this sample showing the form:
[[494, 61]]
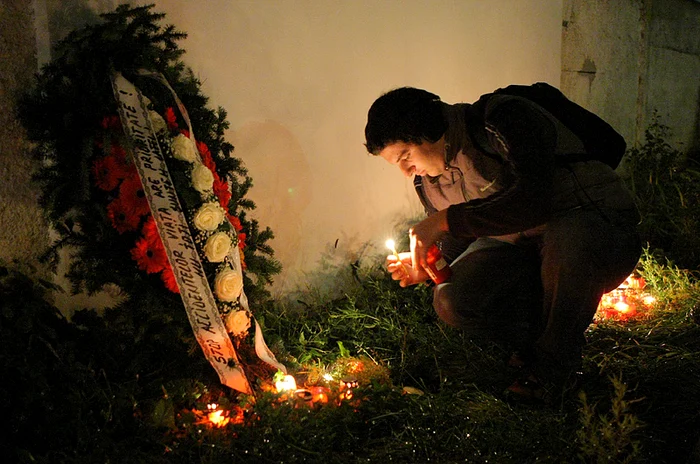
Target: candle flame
[[390, 244], [622, 307]]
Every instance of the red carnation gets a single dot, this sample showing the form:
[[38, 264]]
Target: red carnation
[[221, 191], [207, 159], [149, 255], [235, 222], [170, 118], [168, 278], [122, 219], [241, 240], [133, 196]]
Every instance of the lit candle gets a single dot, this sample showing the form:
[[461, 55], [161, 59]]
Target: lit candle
[[621, 307], [217, 416], [286, 383], [392, 246]]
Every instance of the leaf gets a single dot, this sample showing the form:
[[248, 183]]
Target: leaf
[[164, 414], [344, 352]]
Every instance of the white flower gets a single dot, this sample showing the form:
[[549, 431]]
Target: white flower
[[184, 149], [217, 247], [158, 122], [228, 285], [209, 216], [202, 178], [237, 323]]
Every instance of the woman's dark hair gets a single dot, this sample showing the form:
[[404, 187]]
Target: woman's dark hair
[[404, 115]]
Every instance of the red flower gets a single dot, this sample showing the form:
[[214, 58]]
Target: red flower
[[108, 172], [170, 118], [118, 152], [150, 229], [235, 222], [131, 193], [168, 278], [122, 218], [241, 240], [221, 191], [207, 159], [149, 255], [111, 122]]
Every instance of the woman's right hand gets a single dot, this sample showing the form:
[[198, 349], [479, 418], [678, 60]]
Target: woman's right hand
[[403, 271]]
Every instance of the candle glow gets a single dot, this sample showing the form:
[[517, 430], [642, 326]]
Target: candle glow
[[286, 383], [390, 244], [217, 416]]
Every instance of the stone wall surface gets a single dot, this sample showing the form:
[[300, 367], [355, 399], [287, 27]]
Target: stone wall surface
[[623, 59], [23, 230], [626, 59]]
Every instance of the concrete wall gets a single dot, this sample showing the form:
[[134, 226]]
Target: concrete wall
[[297, 77], [23, 231], [626, 58]]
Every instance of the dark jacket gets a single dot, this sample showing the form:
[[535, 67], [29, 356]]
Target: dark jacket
[[508, 172]]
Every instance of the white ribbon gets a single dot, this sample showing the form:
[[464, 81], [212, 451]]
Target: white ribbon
[[195, 291], [261, 348]]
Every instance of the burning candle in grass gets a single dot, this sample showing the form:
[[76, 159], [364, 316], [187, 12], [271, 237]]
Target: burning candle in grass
[[392, 246], [217, 416], [285, 383]]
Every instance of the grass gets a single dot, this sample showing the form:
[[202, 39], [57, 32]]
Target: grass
[[95, 392]]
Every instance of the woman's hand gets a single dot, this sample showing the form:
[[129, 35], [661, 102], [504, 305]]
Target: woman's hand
[[403, 271], [424, 235]]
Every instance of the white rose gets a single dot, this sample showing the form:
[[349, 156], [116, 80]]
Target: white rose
[[202, 178], [184, 149], [209, 216], [217, 247], [158, 122], [237, 323], [228, 285]]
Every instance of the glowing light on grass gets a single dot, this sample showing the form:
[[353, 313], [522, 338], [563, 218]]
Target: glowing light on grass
[[621, 307], [627, 300], [286, 383], [217, 416]]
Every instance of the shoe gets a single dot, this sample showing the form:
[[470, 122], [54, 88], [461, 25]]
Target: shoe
[[529, 389]]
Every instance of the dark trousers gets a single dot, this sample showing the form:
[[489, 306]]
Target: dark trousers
[[540, 294]]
